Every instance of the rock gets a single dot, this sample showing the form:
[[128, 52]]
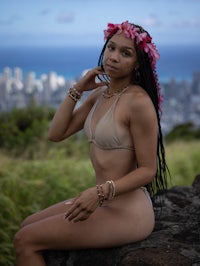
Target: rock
[[174, 241]]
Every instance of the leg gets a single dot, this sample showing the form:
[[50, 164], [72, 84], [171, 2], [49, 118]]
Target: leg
[[58, 208], [107, 227]]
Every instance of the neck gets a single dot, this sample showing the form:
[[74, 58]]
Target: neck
[[116, 86], [108, 93]]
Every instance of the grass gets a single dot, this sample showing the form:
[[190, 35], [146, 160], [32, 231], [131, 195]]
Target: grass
[[183, 160], [47, 173]]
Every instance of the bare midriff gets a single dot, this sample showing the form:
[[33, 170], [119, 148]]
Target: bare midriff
[[114, 164]]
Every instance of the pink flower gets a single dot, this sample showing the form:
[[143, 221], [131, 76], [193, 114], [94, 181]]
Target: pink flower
[[143, 41], [112, 28], [140, 37]]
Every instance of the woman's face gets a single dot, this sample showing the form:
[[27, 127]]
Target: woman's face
[[120, 59]]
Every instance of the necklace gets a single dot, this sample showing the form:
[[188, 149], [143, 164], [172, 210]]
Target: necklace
[[108, 94]]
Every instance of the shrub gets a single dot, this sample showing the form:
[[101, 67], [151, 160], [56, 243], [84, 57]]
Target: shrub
[[186, 132], [22, 127]]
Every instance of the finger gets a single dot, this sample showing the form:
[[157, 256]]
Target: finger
[[69, 212], [73, 215], [71, 209], [99, 68], [79, 214], [82, 216], [100, 72]]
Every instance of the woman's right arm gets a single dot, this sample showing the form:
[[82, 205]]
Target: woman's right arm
[[68, 120]]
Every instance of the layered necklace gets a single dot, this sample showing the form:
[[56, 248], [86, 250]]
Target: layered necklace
[[108, 94]]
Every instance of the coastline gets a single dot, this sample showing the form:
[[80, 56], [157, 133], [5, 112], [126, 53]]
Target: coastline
[[176, 62]]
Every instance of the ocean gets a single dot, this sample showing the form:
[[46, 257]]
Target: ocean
[[179, 62]]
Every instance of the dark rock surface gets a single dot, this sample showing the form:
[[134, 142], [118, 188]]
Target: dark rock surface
[[175, 240]]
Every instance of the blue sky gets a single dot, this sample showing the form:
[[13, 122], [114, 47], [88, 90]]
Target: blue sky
[[76, 22]]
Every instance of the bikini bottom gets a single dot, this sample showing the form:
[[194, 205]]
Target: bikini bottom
[[147, 194], [70, 201]]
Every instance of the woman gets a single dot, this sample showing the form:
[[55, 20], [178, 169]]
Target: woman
[[121, 120]]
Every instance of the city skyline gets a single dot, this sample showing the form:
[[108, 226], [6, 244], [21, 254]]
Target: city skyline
[[181, 99], [67, 22]]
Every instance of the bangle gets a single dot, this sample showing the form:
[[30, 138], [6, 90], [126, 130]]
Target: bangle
[[74, 94], [111, 193], [112, 189], [100, 194]]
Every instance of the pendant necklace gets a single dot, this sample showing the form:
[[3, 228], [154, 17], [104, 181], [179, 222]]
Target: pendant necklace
[[107, 94]]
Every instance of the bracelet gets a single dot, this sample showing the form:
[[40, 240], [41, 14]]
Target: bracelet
[[112, 189], [74, 94], [100, 194], [111, 193]]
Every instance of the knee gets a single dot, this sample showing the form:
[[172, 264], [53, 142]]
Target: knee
[[20, 243], [17, 242]]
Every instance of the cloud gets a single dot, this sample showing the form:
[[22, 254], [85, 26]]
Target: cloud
[[151, 21], [45, 11], [65, 17], [9, 21], [187, 23]]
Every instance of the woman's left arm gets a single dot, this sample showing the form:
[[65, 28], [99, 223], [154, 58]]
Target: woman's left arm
[[144, 130]]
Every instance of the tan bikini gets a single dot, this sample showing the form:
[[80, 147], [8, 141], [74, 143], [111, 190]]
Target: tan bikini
[[107, 134]]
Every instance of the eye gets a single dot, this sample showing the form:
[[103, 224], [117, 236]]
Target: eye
[[110, 47], [126, 53]]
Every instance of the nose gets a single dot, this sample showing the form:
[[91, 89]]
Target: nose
[[114, 56]]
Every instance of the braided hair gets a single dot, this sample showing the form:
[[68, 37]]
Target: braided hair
[[146, 77]]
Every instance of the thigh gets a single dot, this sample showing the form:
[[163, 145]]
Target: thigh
[[53, 210], [106, 227]]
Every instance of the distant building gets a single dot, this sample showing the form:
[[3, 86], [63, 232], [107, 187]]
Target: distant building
[[181, 99]]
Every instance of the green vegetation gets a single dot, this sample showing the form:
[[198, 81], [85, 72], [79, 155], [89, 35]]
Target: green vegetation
[[27, 186], [187, 132], [183, 153], [35, 173], [183, 160]]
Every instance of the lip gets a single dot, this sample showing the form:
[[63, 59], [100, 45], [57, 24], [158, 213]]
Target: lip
[[110, 67]]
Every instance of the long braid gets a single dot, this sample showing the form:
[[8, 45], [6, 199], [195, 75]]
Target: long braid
[[148, 80], [150, 85]]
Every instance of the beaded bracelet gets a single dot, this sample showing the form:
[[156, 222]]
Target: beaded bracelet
[[100, 194], [74, 94], [111, 193]]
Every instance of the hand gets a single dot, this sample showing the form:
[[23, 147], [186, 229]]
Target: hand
[[83, 205], [88, 81]]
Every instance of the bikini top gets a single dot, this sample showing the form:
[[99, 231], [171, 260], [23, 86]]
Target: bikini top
[[107, 134]]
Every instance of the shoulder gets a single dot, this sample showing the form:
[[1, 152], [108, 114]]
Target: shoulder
[[139, 104], [138, 98]]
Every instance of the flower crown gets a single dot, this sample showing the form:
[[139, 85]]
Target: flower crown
[[143, 41]]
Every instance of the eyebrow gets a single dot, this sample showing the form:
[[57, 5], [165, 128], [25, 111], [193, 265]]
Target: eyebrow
[[125, 47]]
